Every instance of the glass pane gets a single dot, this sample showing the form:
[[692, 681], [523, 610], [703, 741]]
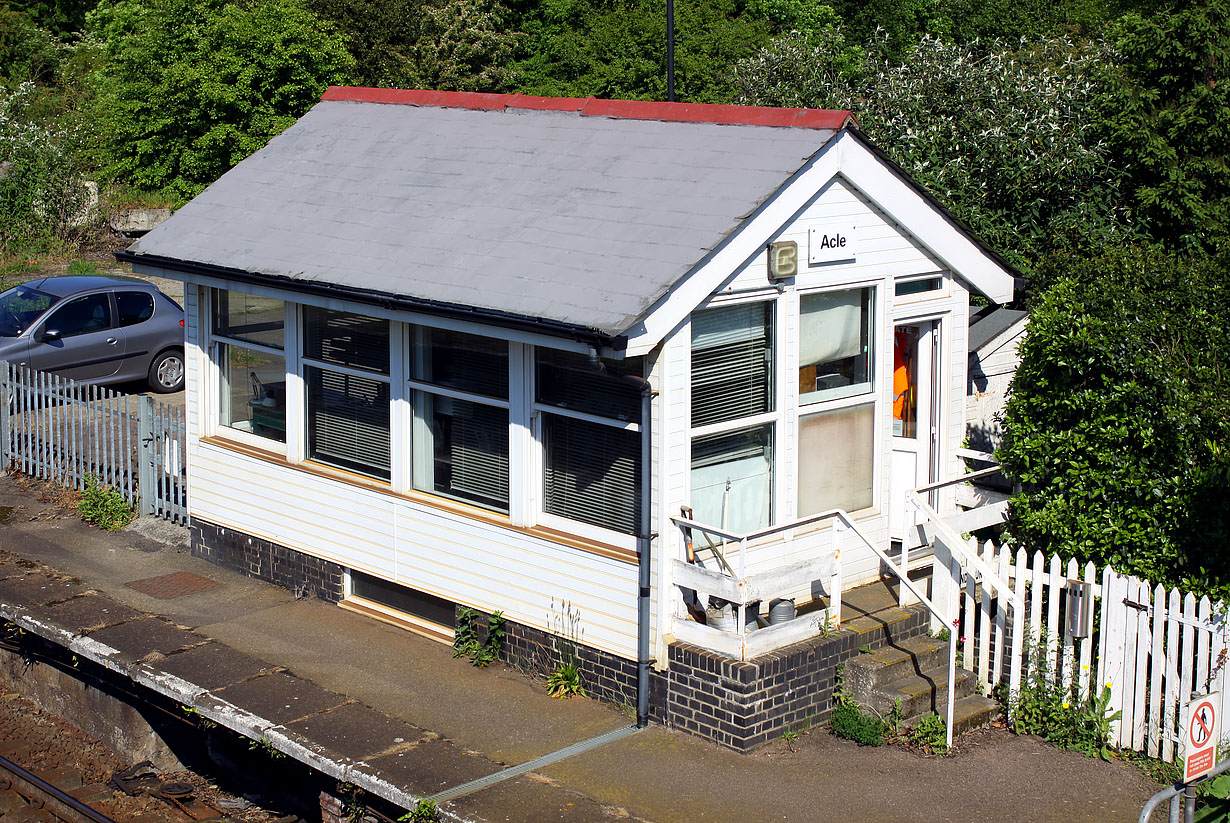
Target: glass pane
[[346, 339], [411, 601], [253, 396], [466, 362], [348, 421], [81, 316], [836, 460], [21, 306], [918, 286], [835, 344], [464, 450], [592, 473], [905, 381], [732, 357], [732, 479], [570, 381], [134, 307], [248, 317]]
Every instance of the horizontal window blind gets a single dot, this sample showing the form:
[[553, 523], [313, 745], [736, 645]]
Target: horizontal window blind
[[346, 339], [456, 360], [731, 363], [592, 473], [570, 381], [469, 443], [348, 421]]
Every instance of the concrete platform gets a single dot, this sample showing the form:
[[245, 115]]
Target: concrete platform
[[395, 714]]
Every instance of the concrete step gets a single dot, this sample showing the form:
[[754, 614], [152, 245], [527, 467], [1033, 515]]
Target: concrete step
[[971, 712], [868, 672], [919, 694]]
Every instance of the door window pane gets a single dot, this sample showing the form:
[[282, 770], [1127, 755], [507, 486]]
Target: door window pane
[[253, 396], [731, 362], [836, 459], [81, 316], [732, 479], [134, 307], [835, 356], [905, 381]]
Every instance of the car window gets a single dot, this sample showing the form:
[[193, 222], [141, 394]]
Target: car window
[[134, 307], [21, 306], [81, 316]]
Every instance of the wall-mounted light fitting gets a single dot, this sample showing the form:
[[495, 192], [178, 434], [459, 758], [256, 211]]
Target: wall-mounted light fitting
[[783, 259]]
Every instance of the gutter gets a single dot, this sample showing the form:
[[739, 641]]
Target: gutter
[[539, 325]]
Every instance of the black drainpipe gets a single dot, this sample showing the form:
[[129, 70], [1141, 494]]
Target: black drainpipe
[[644, 539]]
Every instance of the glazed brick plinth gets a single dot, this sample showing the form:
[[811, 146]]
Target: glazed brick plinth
[[742, 705], [268, 561]]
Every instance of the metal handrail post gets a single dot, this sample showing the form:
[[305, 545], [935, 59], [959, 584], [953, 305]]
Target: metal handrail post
[[1175, 792], [952, 681]]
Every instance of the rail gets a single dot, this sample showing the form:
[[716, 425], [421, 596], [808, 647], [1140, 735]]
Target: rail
[[63, 806], [1173, 793]]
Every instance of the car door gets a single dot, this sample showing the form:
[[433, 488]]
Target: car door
[[78, 340]]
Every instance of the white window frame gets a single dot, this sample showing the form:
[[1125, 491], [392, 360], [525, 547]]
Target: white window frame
[[213, 395], [773, 419]]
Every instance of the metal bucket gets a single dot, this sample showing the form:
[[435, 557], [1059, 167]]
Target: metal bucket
[[781, 611], [722, 618]]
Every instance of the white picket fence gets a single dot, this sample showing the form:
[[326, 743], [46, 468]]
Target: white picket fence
[[1156, 648]]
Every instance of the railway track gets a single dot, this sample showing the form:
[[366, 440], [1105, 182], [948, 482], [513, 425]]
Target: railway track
[[22, 790]]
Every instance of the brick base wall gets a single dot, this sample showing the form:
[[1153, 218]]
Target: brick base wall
[[739, 705], [301, 573]]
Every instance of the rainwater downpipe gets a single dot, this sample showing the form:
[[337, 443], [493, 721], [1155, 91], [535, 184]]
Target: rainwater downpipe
[[645, 538]]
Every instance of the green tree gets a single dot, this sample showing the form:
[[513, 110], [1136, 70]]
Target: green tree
[[1167, 113], [191, 87], [617, 48], [1117, 421], [464, 45], [380, 35], [1008, 138]]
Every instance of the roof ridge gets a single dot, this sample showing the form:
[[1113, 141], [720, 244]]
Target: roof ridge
[[593, 107]]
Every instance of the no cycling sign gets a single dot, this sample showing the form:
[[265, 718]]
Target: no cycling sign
[[1202, 733]]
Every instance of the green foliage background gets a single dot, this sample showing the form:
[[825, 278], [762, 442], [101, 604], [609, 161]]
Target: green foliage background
[[1085, 140]]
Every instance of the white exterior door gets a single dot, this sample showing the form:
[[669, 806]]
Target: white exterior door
[[914, 426]]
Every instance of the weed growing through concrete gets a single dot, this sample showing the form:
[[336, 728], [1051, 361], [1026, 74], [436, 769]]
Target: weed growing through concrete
[[565, 680], [465, 637], [103, 506], [424, 812], [929, 735]]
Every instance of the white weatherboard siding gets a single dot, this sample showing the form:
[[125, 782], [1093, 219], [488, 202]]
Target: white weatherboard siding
[[467, 561]]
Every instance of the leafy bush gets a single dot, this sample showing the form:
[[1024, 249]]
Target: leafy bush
[[191, 87], [425, 811], [1117, 421], [103, 506]]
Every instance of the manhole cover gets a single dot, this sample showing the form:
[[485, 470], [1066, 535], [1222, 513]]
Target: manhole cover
[[173, 585]]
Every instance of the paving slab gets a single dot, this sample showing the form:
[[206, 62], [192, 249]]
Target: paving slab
[[280, 697], [356, 732], [532, 799], [213, 666], [431, 766], [137, 639], [37, 590], [87, 613]]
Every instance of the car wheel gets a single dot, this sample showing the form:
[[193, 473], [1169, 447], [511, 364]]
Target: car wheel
[[166, 373]]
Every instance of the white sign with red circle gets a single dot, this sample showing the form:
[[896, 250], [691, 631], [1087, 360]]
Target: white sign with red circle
[[1201, 736]]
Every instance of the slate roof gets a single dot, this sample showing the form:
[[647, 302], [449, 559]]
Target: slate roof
[[581, 213], [989, 323]]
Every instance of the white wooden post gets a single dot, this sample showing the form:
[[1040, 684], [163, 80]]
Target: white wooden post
[[835, 582]]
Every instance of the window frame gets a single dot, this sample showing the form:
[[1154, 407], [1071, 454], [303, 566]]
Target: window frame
[[773, 419], [213, 348]]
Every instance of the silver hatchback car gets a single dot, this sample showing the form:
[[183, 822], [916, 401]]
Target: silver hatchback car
[[95, 329]]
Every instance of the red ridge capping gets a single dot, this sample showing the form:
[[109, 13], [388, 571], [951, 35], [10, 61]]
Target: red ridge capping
[[591, 107]]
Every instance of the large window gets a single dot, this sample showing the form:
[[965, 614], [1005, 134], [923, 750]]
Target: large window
[[346, 370], [733, 416], [836, 435], [249, 340], [835, 356], [459, 390], [591, 439]]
